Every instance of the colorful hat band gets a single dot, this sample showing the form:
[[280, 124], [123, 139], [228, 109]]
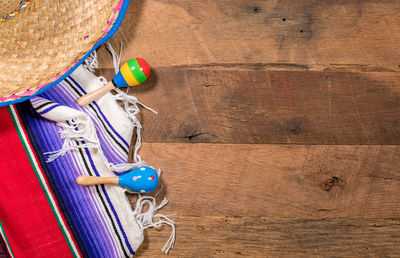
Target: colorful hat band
[[22, 5], [113, 22]]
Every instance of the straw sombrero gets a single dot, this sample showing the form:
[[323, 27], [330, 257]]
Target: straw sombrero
[[43, 41]]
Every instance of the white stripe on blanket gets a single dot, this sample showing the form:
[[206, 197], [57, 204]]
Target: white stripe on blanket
[[77, 126]]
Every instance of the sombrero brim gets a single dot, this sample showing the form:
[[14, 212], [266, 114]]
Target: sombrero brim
[[22, 94]]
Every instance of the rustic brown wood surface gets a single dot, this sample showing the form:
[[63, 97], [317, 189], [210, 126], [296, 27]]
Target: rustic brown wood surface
[[263, 237], [278, 125], [293, 181]]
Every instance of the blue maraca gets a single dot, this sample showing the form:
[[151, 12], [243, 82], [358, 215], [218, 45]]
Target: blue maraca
[[141, 180]]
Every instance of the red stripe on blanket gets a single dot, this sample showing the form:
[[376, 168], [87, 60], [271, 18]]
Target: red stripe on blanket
[[28, 221], [61, 219]]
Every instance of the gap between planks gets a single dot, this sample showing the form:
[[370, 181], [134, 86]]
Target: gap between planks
[[277, 200], [225, 236], [278, 181], [350, 34], [263, 106]]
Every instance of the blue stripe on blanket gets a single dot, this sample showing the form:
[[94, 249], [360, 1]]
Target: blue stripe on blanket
[[102, 114], [108, 199], [66, 93], [49, 109], [79, 205]]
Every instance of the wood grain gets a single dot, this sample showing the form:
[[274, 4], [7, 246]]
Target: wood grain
[[316, 35], [264, 237], [278, 181], [277, 200], [278, 126], [236, 105]]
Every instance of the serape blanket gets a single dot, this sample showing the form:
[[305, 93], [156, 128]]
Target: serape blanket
[[46, 144]]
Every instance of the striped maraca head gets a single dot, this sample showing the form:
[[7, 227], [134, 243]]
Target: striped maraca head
[[132, 73]]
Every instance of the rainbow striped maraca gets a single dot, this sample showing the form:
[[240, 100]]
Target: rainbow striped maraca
[[141, 180], [132, 73]]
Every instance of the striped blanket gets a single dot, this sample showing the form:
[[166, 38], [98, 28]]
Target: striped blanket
[[46, 144]]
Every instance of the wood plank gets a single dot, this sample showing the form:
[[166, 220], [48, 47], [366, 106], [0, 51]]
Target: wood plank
[[278, 181], [236, 105], [316, 35], [263, 237], [282, 72]]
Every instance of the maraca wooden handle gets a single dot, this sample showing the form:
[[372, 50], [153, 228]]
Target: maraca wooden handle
[[94, 180], [86, 99]]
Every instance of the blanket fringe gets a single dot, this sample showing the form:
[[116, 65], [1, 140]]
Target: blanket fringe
[[150, 218], [131, 107], [79, 130], [131, 104], [131, 110]]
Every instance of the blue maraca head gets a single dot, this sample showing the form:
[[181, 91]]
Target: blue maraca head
[[141, 180]]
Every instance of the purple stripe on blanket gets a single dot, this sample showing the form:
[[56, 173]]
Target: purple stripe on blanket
[[112, 208], [74, 105], [76, 202], [112, 153], [49, 109], [103, 116]]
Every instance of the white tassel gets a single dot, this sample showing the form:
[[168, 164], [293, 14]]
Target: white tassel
[[126, 166], [91, 63], [131, 107], [150, 219], [116, 58], [80, 129]]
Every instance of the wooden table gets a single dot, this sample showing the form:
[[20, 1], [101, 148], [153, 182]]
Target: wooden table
[[279, 124]]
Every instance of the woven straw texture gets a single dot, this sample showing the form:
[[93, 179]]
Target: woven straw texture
[[41, 43]]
